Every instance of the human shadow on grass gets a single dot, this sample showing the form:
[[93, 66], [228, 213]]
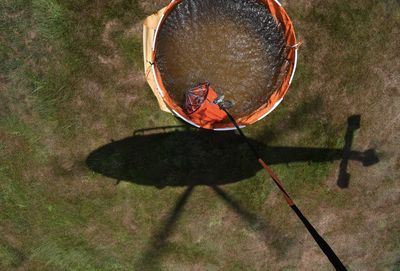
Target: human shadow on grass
[[200, 157]]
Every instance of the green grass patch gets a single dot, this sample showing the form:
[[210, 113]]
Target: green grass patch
[[132, 49], [66, 254], [10, 257], [51, 20], [64, 94]]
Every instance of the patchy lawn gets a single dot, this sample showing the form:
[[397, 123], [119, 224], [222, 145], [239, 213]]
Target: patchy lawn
[[71, 81]]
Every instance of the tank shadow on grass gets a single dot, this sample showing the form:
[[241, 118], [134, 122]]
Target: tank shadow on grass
[[200, 157]]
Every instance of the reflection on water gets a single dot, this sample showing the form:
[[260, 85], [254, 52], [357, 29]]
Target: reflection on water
[[236, 45]]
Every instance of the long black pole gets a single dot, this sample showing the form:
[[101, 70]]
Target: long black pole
[[318, 239]]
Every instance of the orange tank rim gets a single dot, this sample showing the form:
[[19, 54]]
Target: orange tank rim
[[275, 99]]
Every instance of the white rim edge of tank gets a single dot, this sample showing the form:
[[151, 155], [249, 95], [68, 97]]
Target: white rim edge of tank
[[198, 126], [228, 129], [295, 66], [156, 32], [183, 118], [158, 26], [155, 79], [278, 3], [290, 82], [272, 109]]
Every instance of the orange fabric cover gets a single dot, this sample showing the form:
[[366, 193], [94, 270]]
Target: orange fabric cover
[[208, 114], [280, 14]]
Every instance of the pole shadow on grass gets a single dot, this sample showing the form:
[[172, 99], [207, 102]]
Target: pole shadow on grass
[[201, 157]]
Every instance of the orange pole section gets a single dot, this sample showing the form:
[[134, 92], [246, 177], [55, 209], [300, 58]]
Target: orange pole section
[[277, 181]]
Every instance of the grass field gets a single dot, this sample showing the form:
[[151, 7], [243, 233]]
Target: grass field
[[71, 81]]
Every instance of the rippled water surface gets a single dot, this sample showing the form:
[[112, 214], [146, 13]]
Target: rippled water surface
[[236, 45]]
